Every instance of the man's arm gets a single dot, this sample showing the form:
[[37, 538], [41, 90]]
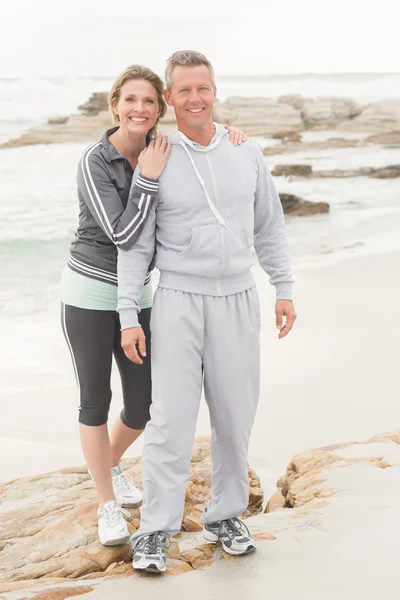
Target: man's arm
[[270, 242], [132, 269]]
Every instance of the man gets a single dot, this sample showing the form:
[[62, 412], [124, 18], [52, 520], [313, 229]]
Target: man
[[215, 202]]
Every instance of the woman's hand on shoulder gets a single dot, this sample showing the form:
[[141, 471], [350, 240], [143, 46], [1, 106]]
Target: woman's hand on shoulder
[[154, 157], [236, 136]]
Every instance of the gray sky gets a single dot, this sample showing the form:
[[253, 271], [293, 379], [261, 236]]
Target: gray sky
[[98, 37]]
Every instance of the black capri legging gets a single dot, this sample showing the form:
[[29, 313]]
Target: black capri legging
[[93, 337]]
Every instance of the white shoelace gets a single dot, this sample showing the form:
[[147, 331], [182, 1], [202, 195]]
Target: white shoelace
[[124, 482], [112, 514]]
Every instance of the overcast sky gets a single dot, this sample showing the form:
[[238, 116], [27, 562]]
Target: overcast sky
[[101, 37]]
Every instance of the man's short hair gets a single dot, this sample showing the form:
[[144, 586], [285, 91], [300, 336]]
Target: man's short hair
[[186, 58]]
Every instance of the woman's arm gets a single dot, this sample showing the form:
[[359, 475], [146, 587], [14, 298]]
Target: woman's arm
[[236, 136], [122, 225]]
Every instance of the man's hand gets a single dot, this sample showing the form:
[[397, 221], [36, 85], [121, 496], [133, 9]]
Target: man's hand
[[129, 339], [284, 308]]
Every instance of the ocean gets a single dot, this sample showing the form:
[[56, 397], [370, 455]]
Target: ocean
[[38, 216]]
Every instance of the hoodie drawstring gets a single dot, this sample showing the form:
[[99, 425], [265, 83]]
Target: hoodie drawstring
[[214, 211]]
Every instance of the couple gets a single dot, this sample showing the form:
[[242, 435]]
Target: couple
[[212, 202]]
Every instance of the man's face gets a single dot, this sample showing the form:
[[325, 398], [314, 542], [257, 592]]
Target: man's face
[[192, 95]]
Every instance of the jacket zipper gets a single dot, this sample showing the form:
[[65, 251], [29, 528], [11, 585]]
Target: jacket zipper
[[221, 229]]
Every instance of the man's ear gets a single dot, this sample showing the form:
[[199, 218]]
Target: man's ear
[[167, 96], [215, 91]]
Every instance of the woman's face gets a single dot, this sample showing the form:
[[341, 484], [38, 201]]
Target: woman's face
[[137, 107]]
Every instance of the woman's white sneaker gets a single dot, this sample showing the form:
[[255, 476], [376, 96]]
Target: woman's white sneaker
[[113, 529], [125, 492]]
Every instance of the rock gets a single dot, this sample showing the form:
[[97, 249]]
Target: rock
[[342, 500], [173, 550], [292, 170], [191, 555], [376, 117], [390, 139], [389, 172], [335, 142], [75, 129], [49, 522], [263, 536], [177, 567], [258, 116], [287, 136], [295, 100], [276, 502], [97, 103], [192, 523], [304, 483], [201, 556], [328, 113], [57, 120], [294, 206], [61, 593], [284, 117]]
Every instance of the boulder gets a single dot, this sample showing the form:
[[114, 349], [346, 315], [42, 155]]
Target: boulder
[[297, 207], [389, 172], [328, 113], [292, 170], [295, 100], [258, 116], [376, 117], [97, 103], [389, 139], [287, 136]]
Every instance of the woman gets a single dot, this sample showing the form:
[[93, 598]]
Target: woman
[[114, 199]]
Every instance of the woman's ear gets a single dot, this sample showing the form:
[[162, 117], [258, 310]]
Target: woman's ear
[[167, 96]]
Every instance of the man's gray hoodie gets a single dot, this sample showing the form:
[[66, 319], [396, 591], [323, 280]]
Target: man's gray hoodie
[[214, 204]]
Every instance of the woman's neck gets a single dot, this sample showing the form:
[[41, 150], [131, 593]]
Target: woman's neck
[[129, 146]]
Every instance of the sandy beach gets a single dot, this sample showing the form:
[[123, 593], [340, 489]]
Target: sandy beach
[[332, 380]]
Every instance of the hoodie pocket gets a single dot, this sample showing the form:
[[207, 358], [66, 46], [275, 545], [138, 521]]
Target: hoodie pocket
[[203, 255]]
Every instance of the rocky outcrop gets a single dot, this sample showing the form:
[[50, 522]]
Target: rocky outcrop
[[338, 538], [287, 136], [258, 116], [389, 172], [303, 484], [292, 171], [297, 207], [49, 522], [284, 118], [97, 103], [328, 113], [390, 139], [295, 100], [375, 117], [78, 128]]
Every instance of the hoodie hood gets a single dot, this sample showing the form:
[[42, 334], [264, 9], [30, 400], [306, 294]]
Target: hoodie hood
[[176, 137]]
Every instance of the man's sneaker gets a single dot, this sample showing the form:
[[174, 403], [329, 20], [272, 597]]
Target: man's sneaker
[[125, 492], [232, 534], [150, 552], [113, 529]]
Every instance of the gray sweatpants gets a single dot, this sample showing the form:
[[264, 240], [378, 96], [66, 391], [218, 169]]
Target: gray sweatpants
[[197, 337]]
